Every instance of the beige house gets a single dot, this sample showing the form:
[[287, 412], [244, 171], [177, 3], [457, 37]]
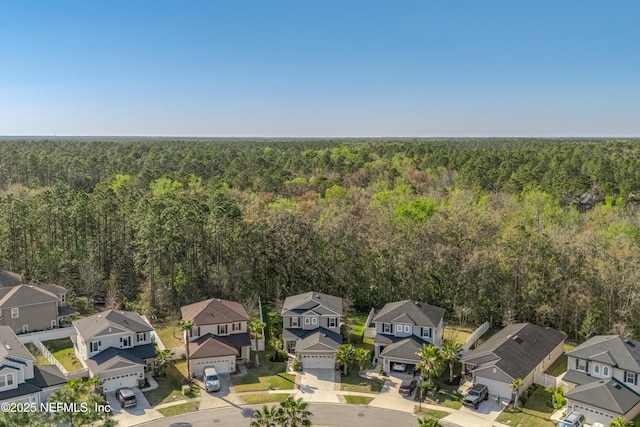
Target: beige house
[[115, 346], [311, 328], [28, 308], [518, 351], [20, 379], [219, 337]]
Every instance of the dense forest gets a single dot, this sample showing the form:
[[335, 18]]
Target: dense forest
[[490, 229]]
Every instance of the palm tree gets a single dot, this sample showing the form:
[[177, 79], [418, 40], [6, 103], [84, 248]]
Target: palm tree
[[552, 390], [431, 362], [428, 422], [295, 413], [620, 422], [362, 356], [187, 326], [95, 383], [267, 417], [345, 355], [256, 327], [515, 385], [450, 352], [163, 361]]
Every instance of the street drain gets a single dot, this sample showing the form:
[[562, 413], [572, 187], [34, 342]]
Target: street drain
[[360, 414], [216, 421]]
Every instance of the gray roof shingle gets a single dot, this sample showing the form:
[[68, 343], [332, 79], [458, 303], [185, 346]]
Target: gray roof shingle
[[301, 303], [20, 295], [8, 278], [128, 320], [519, 348], [614, 350], [112, 357], [411, 312], [404, 349], [608, 394], [10, 345], [322, 336]]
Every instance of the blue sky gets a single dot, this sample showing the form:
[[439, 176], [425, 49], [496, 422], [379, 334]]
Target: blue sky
[[320, 68]]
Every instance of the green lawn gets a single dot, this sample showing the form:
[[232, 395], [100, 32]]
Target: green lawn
[[62, 350], [179, 409], [270, 375], [449, 397], [40, 359], [432, 413], [170, 335], [170, 386], [535, 412], [458, 334], [354, 382], [355, 326], [264, 398], [558, 367], [358, 400]]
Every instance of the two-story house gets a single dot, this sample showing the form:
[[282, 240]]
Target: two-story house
[[311, 328], [219, 336], [29, 308], [115, 346], [402, 329], [601, 381], [520, 350], [20, 379]]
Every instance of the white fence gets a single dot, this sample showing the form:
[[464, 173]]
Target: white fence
[[260, 344], [369, 332], [178, 353], [546, 380], [51, 334], [475, 336]]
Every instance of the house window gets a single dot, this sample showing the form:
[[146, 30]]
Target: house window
[[605, 371], [15, 312], [426, 332], [63, 298], [407, 328], [295, 322], [25, 328], [596, 369], [631, 378], [386, 328], [581, 365], [236, 327], [94, 346], [307, 320], [314, 320], [125, 341], [9, 379], [142, 336], [222, 329], [333, 322]]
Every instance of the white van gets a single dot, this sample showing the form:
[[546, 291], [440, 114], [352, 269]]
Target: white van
[[211, 380]]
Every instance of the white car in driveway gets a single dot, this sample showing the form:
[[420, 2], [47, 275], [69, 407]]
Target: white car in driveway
[[401, 367]]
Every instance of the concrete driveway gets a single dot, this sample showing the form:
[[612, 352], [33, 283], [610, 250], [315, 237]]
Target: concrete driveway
[[390, 398], [318, 385], [484, 416], [134, 415], [217, 399]]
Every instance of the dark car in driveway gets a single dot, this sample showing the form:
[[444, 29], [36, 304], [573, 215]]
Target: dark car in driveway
[[126, 397], [407, 387]]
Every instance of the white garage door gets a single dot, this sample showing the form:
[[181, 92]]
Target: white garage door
[[318, 361], [118, 381], [222, 366], [497, 388]]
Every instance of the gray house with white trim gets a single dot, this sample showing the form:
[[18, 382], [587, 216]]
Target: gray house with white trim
[[311, 328], [601, 381], [402, 329]]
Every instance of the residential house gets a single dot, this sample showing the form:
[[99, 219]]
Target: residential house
[[20, 379], [601, 381], [311, 328], [219, 336], [518, 351], [8, 278], [115, 346], [28, 308], [402, 329]]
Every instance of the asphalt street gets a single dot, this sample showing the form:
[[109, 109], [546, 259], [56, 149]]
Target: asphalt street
[[324, 414]]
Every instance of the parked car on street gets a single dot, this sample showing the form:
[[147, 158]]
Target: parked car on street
[[126, 397], [476, 395], [573, 419], [407, 387]]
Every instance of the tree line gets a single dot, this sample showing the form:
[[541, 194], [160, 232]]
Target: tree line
[[484, 228]]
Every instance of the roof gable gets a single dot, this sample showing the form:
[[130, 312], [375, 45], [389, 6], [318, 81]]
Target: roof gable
[[214, 311], [322, 303], [8, 278], [518, 348], [404, 349], [412, 312], [123, 321], [614, 350], [21, 295], [609, 395]]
